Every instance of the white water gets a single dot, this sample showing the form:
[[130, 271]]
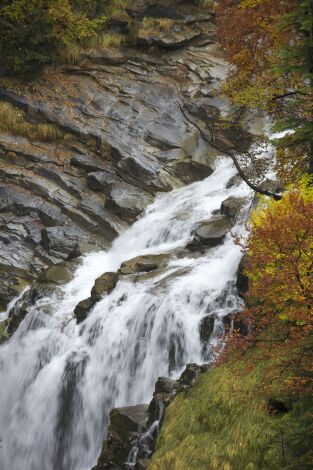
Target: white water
[[59, 381]]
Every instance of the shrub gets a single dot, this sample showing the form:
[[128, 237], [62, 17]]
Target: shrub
[[34, 33]]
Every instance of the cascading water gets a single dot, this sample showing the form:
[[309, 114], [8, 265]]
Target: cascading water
[[59, 380]]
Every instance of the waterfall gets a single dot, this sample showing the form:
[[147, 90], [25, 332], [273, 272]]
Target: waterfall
[[60, 380]]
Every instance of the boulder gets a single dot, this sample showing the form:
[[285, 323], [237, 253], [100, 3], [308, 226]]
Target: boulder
[[124, 429], [144, 264], [210, 234], [231, 207], [83, 308], [57, 274], [165, 385], [191, 373], [104, 285]]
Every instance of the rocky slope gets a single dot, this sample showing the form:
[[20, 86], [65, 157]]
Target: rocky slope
[[107, 134], [94, 143]]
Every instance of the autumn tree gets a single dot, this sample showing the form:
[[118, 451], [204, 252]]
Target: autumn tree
[[269, 46], [280, 256]]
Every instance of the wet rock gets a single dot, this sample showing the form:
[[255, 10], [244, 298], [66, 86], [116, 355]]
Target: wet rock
[[16, 316], [211, 233], [165, 385], [127, 201], [125, 425], [83, 308], [12, 283], [190, 172], [206, 328], [62, 242], [234, 181], [242, 281], [145, 264], [164, 393], [142, 464], [234, 322], [57, 274], [231, 207], [189, 375], [104, 285]]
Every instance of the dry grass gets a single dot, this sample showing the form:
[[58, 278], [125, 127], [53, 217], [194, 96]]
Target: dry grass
[[114, 40], [151, 26], [13, 121]]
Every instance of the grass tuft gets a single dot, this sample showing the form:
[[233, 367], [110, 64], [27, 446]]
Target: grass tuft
[[13, 121]]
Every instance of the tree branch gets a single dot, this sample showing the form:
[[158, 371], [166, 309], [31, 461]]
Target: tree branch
[[211, 142], [291, 93]]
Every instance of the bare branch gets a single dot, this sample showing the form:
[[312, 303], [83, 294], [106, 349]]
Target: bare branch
[[255, 188]]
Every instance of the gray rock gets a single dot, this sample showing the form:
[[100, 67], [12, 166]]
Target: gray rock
[[83, 308], [144, 264], [211, 233], [242, 281], [234, 181], [104, 285], [104, 56], [165, 385], [190, 172], [231, 207], [127, 201], [125, 426], [191, 373], [62, 242], [206, 328], [101, 181], [57, 274]]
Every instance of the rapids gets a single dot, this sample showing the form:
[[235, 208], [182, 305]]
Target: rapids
[[59, 380]]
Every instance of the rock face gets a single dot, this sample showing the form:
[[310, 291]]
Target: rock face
[[117, 136]]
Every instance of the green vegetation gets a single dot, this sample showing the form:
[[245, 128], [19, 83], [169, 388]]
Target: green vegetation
[[34, 34], [151, 25], [228, 420], [13, 122], [269, 45]]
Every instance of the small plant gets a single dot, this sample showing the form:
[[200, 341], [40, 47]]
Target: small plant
[[13, 121], [114, 40]]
